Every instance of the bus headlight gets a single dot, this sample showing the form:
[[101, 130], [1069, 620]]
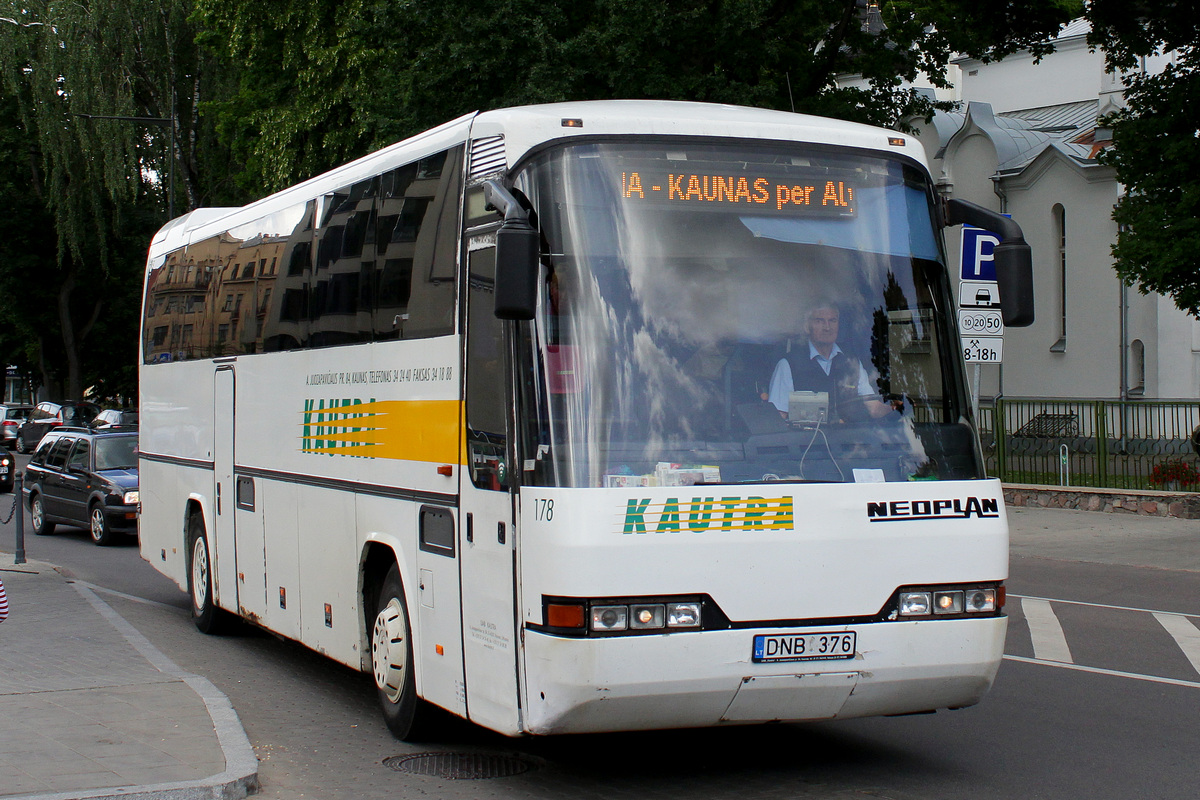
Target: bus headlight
[[683, 615], [949, 601], [629, 616], [915, 604], [981, 601], [644, 617], [610, 618]]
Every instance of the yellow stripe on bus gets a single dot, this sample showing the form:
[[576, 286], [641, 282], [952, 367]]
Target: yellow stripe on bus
[[409, 430]]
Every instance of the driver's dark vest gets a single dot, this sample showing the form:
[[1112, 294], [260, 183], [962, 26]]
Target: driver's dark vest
[[841, 383]]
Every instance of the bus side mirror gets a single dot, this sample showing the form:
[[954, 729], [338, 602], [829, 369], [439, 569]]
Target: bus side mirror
[[517, 248], [1013, 259]]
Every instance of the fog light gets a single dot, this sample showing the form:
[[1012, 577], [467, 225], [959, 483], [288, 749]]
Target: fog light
[[981, 600], [649, 616], [915, 604], [610, 618], [947, 602], [683, 615]]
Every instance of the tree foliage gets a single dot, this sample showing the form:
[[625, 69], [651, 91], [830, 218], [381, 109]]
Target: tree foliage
[[1156, 150], [247, 96], [324, 81], [100, 184]]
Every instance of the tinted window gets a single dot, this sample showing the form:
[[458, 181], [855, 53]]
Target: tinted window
[[78, 415], [57, 457], [416, 246], [486, 396], [44, 411], [116, 452], [370, 261], [81, 456], [39, 455]]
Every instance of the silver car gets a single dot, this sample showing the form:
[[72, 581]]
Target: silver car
[[12, 415]]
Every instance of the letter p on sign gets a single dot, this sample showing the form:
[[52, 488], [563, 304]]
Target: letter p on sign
[[978, 246]]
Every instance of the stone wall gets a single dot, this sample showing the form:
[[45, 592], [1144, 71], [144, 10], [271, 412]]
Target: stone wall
[[1185, 505]]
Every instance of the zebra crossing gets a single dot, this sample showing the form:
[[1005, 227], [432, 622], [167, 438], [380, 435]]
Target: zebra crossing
[[1137, 643]]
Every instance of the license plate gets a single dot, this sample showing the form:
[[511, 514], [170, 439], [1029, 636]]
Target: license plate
[[804, 646]]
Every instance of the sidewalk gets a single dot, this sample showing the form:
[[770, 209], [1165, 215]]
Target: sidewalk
[[1135, 540], [89, 708]]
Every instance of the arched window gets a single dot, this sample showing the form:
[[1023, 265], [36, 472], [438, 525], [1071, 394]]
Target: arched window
[[1060, 230], [1137, 367]]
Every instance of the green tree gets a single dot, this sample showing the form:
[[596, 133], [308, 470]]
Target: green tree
[[106, 96], [324, 81], [1156, 151]]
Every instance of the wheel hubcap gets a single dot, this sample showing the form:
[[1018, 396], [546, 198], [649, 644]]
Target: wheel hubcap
[[389, 650], [37, 514], [97, 524], [199, 575]]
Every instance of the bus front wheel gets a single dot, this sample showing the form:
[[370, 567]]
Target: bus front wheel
[[407, 716]]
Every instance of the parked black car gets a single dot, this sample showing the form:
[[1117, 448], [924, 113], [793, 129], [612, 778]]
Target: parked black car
[[12, 416], [8, 472], [48, 416], [86, 478]]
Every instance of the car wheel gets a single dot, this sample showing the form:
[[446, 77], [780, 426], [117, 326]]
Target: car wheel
[[21, 447], [408, 717], [208, 618], [37, 516], [101, 534]]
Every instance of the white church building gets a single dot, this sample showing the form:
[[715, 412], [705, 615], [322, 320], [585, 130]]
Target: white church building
[[1024, 142]]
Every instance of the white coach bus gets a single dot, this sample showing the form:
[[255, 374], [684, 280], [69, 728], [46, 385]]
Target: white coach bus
[[498, 415]]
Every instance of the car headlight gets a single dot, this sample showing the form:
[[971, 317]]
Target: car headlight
[[131, 498]]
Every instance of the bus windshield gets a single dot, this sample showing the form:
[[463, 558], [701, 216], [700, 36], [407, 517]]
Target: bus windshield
[[734, 313]]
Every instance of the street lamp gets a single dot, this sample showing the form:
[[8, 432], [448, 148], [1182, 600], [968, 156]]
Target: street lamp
[[167, 121]]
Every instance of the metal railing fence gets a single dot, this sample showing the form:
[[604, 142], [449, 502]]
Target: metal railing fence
[[1120, 444]]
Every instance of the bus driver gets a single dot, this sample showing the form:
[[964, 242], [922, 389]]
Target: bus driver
[[823, 366]]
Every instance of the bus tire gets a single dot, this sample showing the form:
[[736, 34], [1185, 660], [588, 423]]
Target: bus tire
[[408, 717], [205, 614]]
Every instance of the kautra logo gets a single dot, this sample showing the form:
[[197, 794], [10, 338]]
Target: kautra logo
[[337, 427], [706, 514], [953, 508]]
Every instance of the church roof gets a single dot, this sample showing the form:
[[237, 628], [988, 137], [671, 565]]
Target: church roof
[[1021, 136]]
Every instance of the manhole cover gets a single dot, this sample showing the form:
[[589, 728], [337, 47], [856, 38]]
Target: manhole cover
[[460, 766]]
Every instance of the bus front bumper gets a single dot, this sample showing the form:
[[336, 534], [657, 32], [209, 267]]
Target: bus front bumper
[[707, 678]]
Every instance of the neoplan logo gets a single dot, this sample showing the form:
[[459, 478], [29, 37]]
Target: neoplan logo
[[956, 508]]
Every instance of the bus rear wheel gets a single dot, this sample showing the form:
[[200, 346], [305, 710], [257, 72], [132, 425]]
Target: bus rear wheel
[[208, 618], [408, 717]]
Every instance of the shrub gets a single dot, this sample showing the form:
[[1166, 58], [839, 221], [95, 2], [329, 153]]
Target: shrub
[[1174, 470]]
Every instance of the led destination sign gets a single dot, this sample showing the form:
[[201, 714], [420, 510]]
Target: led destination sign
[[781, 193]]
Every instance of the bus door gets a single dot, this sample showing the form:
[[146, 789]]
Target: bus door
[[222, 557], [237, 545], [486, 532]]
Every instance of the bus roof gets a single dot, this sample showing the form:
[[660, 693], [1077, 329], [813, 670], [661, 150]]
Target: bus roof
[[527, 127]]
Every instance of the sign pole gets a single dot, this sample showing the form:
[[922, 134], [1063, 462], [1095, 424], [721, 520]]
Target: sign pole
[[975, 394]]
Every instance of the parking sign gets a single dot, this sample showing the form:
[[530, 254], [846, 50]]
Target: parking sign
[[978, 246]]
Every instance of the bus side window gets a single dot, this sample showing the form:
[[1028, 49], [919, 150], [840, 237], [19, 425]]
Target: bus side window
[[416, 221], [486, 386]]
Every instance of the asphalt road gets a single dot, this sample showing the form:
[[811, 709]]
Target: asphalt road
[[1097, 698]]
